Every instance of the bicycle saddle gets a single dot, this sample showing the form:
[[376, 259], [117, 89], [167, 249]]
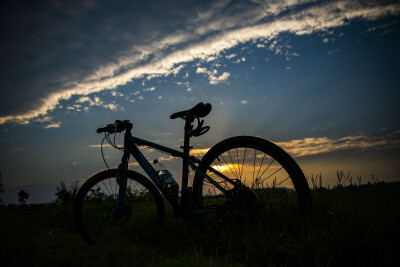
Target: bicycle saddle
[[200, 110]]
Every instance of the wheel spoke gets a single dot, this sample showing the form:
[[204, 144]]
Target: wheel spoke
[[261, 181], [260, 166], [229, 167], [105, 186], [244, 157], [218, 169], [233, 164], [109, 181], [255, 156], [258, 181]]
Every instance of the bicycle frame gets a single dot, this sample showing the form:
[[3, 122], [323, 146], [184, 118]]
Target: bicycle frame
[[131, 144]]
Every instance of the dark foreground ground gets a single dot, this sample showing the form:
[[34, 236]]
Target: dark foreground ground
[[351, 226]]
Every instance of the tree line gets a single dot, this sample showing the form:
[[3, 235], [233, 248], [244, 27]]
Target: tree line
[[64, 194]]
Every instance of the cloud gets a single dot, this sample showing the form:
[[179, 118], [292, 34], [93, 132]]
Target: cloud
[[319, 145], [44, 119], [201, 70], [199, 152], [312, 146], [334, 51], [217, 79], [94, 102], [243, 59], [91, 48], [114, 93], [213, 75], [53, 125], [98, 146]]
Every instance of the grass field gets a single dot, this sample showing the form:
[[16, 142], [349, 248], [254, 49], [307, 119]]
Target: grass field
[[353, 225]]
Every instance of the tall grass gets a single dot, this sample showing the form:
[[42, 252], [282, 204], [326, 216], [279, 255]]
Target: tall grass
[[352, 224]]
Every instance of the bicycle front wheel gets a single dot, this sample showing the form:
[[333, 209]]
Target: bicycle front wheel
[[95, 209], [256, 178]]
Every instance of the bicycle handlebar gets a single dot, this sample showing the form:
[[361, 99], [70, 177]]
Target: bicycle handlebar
[[116, 127], [109, 129]]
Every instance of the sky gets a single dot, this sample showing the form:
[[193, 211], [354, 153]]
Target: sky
[[319, 78]]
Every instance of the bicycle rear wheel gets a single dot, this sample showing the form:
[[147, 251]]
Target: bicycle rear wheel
[[95, 208], [263, 178]]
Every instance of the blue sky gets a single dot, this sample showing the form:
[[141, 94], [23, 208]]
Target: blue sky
[[319, 78]]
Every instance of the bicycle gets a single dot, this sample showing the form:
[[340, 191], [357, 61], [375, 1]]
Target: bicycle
[[236, 180]]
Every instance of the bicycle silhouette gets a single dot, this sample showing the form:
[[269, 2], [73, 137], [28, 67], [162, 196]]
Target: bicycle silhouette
[[236, 180]]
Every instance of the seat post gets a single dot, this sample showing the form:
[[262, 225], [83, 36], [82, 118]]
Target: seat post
[[185, 168], [188, 127]]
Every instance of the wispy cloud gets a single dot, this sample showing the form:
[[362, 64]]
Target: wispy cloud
[[319, 145], [213, 75], [199, 152], [98, 146], [334, 51], [312, 146], [203, 35], [94, 102], [53, 125]]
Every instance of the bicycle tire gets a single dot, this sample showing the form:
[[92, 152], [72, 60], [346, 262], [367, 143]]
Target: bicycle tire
[[96, 201], [234, 167]]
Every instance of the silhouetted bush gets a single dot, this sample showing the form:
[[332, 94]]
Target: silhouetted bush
[[66, 195], [22, 197]]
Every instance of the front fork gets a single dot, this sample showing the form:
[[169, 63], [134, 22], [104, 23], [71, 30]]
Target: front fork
[[122, 183]]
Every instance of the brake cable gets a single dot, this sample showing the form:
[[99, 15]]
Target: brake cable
[[101, 147]]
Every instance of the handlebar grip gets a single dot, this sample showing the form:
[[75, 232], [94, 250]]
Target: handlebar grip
[[109, 129]]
